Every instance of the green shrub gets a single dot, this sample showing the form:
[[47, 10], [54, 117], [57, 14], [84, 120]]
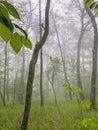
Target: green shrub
[[87, 124]]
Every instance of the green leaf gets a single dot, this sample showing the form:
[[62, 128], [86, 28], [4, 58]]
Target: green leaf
[[22, 30], [89, 2], [16, 42], [96, 7], [93, 5], [11, 9], [26, 42], [6, 22], [5, 33], [4, 12]]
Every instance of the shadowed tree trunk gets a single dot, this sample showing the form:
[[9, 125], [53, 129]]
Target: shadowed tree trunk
[[94, 59], [2, 98], [31, 74], [41, 60]]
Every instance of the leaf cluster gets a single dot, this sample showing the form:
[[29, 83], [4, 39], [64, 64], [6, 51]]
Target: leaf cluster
[[74, 90], [92, 4], [87, 124], [7, 27]]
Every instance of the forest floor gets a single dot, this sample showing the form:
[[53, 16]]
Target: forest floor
[[64, 116]]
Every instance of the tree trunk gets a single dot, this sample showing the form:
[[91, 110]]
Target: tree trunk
[[63, 61], [94, 60], [41, 60], [2, 98], [78, 55], [41, 79], [5, 65], [22, 85], [31, 74], [15, 87], [7, 83], [52, 84]]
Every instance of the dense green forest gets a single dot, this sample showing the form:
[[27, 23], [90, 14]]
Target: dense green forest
[[48, 65]]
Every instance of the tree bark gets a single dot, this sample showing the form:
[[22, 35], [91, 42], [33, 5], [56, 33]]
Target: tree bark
[[2, 98], [41, 79], [41, 60], [94, 60], [31, 74]]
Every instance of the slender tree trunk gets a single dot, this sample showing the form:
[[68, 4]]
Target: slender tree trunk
[[41, 79], [2, 98], [31, 74], [78, 55], [7, 71], [15, 85], [47, 80], [63, 61], [52, 84], [78, 65], [41, 60], [5, 65], [22, 86], [94, 60]]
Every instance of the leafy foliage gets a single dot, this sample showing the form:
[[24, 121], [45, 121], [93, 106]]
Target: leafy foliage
[[10, 9], [92, 4], [74, 90], [7, 28], [88, 124], [83, 104]]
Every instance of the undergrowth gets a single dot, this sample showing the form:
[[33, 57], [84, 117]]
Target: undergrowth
[[64, 116]]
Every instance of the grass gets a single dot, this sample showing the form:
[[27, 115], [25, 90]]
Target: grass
[[51, 117]]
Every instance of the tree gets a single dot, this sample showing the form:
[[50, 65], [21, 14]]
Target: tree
[[62, 57], [94, 59], [41, 59], [32, 65], [5, 74], [82, 15], [52, 72], [9, 33]]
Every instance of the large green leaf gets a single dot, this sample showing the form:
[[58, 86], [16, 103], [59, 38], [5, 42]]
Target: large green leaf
[[4, 12], [6, 22], [27, 43], [5, 33], [11, 9], [16, 42], [89, 1], [22, 30]]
